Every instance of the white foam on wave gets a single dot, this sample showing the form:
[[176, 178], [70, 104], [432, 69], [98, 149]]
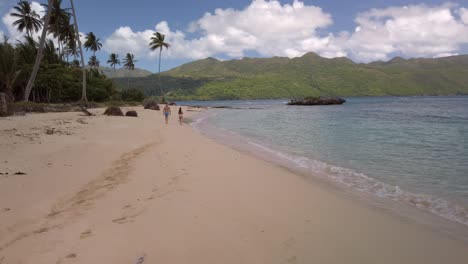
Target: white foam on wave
[[343, 176], [363, 183], [202, 119]]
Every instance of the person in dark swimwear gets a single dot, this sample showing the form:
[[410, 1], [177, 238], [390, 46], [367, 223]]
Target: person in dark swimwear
[[166, 113], [181, 116]]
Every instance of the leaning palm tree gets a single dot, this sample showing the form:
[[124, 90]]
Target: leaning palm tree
[[77, 32], [113, 60], [32, 78], [92, 43], [59, 23], [129, 64], [27, 20], [93, 62], [157, 42]]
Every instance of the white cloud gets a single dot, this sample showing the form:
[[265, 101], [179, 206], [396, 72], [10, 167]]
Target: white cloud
[[463, 15], [267, 27], [447, 54], [414, 31]]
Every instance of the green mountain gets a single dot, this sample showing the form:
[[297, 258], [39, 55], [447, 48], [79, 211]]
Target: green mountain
[[309, 75], [120, 73]]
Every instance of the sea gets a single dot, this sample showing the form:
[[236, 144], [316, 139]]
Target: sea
[[407, 156]]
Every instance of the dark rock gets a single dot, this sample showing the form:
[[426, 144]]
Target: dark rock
[[113, 111], [171, 103], [151, 104], [20, 173], [131, 113], [318, 101]]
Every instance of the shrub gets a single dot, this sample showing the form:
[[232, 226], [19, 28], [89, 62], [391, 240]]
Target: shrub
[[132, 94]]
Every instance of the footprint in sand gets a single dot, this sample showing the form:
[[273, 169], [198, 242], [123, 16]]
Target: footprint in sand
[[292, 260], [121, 220], [86, 234]]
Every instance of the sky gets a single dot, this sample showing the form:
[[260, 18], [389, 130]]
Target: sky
[[232, 29]]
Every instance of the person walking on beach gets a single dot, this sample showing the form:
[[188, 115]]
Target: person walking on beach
[[181, 115], [166, 113]]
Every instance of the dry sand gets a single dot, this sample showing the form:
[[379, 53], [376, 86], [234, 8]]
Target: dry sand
[[113, 189]]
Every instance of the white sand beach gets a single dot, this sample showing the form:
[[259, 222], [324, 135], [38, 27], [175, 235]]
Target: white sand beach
[[106, 189]]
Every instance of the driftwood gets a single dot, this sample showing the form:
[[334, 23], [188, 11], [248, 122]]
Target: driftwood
[[86, 112]]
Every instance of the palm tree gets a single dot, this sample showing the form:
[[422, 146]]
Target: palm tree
[[157, 42], [113, 60], [59, 23], [129, 64], [9, 69], [92, 43], [32, 78], [93, 62], [77, 32], [28, 19]]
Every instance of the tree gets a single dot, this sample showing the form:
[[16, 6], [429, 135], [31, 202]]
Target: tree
[[27, 20], [93, 62], [129, 64], [92, 43], [157, 42], [77, 32], [32, 78], [9, 68], [59, 24], [113, 60]]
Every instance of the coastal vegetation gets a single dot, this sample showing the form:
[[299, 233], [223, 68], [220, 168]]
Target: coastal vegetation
[[50, 68], [310, 75]]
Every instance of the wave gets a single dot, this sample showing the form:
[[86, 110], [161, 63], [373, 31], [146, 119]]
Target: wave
[[352, 179], [363, 183]]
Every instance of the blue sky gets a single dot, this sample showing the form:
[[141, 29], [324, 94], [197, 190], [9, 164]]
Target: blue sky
[[364, 31]]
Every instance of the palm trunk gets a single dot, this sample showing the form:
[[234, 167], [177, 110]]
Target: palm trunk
[[159, 75], [32, 78], [83, 91]]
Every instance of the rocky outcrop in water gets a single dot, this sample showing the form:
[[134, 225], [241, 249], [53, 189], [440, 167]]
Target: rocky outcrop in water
[[318, 101]]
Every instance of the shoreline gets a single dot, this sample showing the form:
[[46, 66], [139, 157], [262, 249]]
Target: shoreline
[[403, 208], [136, 187]]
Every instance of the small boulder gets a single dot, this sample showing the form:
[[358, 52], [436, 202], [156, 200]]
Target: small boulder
[[113, 111], [131, 113], [151, 104]]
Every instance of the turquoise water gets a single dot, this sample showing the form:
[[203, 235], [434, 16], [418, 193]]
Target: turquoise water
[[412, 150]]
